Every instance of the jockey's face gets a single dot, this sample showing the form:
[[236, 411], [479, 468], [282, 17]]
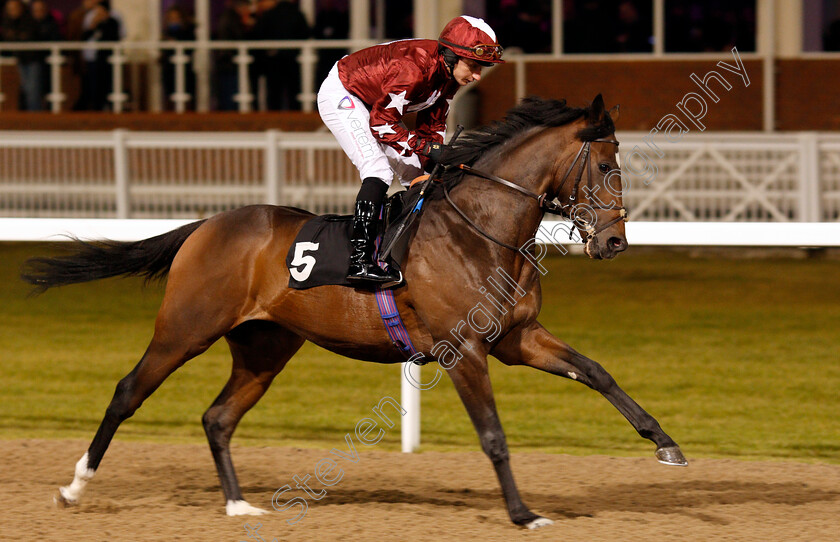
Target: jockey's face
[[466, 71]]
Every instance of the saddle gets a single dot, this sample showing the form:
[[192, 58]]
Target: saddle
[[320, 254]]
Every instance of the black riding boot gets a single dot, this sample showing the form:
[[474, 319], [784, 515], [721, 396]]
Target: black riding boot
[[362, 267]]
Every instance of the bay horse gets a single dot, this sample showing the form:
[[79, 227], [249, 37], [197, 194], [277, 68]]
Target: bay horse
[[227, 278]]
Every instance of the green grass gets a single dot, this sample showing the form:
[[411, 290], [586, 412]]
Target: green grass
[[735, 358]]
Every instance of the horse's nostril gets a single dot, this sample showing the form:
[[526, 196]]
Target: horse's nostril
[[616, 243]]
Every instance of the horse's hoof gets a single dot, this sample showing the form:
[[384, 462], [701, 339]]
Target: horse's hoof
[[671, 455], [61, 501], [539, 522], [242, 508]]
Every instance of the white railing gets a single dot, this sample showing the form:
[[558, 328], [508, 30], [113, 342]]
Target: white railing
[[746, 177], [750, 177], [184, 51]]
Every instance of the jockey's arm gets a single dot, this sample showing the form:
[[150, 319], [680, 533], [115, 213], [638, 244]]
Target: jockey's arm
[[387, 113]]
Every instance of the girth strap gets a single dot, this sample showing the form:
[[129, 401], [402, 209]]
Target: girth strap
[[393, 322]]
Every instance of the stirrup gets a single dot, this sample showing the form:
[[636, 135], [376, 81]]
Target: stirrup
[[374, 275]]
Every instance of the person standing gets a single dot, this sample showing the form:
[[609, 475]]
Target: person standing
[[18, 26], [235, 24], [46, 28], [97, 77], [364, 98], [282, 21], [177, 27]]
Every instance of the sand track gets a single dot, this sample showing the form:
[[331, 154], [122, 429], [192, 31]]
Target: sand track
[[170, 492]]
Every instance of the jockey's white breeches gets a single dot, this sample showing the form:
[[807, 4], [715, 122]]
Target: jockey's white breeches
[[348, 119]]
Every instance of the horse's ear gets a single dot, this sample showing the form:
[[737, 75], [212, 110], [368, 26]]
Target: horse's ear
[[615, 113], [596, 110]]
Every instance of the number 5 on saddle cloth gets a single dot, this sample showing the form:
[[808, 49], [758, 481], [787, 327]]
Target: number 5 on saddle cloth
[[321, 252]]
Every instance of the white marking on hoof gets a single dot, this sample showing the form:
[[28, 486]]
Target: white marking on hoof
[[572, 375], [61, 501], [539, 522], [242, 508], [72, 493]]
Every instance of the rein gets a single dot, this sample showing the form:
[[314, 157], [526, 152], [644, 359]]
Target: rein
[[546, 205]]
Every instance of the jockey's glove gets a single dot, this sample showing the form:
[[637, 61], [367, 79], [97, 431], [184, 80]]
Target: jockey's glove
[[433, 151]]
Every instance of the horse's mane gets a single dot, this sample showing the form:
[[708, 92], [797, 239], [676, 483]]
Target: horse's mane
[[531, 112]]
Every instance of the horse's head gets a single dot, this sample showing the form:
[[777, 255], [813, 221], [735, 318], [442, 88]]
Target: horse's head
[[588, 183]]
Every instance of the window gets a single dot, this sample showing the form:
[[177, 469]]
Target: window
[[693, 26], [524, 25], [608, 26]]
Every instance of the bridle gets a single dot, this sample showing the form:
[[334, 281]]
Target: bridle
[[550, 206]]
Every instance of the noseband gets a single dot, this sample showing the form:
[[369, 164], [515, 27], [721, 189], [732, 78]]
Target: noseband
[[551, 206]]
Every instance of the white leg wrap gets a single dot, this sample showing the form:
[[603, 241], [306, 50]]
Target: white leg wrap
[[242, 508], [73, 492], [539, 523]]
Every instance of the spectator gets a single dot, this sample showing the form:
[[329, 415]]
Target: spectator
[[45, 29], [281, 21], [18, 25], [75, 23], [235, 24], [75, 20], [177, 27], [97, 77], [331, 23]]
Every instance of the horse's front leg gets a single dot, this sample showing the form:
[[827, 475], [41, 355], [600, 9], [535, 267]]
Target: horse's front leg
[[473, 385], [534, 346]]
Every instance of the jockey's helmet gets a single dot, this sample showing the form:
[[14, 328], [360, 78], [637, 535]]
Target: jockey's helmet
[[471, 37]]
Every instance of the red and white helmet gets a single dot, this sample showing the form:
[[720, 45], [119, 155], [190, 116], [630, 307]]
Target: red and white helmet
[[471, 37]]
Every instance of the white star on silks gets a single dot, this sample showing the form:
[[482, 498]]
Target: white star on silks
[[384, 129], [428, 103], [406, 147], [410, 135], [398, 101]]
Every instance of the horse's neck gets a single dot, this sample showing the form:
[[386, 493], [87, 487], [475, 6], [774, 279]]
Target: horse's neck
[[512, 214]]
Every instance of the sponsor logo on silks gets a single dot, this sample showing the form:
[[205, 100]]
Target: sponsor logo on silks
[[346, 103]]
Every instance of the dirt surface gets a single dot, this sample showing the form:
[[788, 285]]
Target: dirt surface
[[171, 492]]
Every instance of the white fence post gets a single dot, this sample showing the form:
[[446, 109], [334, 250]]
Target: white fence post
[[117, 97], [272, 169], [121, 174], [179, 62], [244, 97], [410, 401], [809, 178], [55, 97]]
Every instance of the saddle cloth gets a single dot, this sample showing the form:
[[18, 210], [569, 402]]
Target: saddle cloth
[[320, 254]]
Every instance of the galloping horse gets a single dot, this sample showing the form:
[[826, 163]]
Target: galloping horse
[[227, 278]]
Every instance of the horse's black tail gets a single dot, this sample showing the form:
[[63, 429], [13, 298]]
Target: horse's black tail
[[93, 260]]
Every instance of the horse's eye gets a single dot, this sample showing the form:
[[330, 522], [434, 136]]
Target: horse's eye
[[604, 167]]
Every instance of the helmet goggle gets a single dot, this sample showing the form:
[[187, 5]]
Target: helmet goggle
[[488, 52]]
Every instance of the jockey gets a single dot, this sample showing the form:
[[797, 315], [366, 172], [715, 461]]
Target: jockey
[[363, 99]]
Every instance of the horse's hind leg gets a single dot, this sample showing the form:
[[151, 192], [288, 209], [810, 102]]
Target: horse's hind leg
[[536, 347], [180, 335], [260, 351], [166, 352]]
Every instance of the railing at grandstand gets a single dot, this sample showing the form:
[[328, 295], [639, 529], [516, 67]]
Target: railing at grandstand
[[123, 174], [196, 53]]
